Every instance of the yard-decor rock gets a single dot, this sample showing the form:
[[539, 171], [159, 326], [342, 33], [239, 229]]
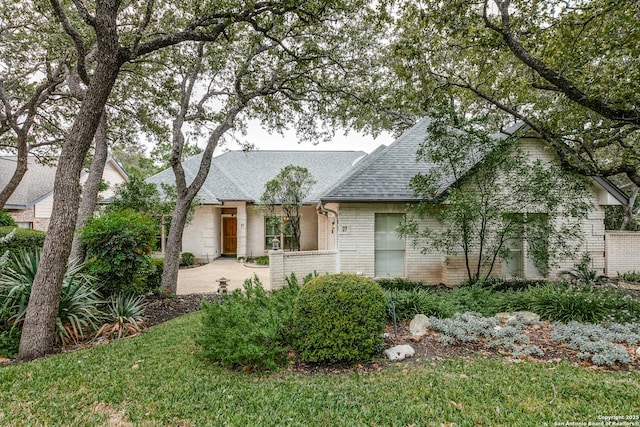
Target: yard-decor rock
[[503, 317], [419, 325], [399, 352], [638, 351], [527, 315]]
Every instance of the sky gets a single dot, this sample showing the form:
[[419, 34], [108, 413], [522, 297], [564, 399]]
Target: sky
[[353, 141]]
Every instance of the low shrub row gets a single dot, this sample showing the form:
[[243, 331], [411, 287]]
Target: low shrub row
[[333, 318], [553, 301], [22, 239]]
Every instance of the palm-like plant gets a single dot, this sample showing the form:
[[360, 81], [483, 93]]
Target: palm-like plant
[[124, 316], [79, 310]]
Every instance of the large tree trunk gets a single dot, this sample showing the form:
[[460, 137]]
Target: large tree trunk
[[91, 187], [37, 337]]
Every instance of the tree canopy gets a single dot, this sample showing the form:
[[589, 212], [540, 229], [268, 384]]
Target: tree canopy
[[569, 70]]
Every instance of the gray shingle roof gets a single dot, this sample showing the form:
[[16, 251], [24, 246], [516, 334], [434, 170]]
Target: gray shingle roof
[[385, 174], [36, 184], [239, 175]]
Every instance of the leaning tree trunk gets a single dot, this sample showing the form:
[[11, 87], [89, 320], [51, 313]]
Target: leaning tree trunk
[[174, 245], [21, 168], [629, 207], [91, 188], [37, 337]]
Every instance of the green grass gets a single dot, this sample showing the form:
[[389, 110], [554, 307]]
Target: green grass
[[174, 386]]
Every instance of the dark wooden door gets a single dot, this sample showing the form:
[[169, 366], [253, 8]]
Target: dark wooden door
[[229, 235]]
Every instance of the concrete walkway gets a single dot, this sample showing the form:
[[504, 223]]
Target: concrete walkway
[[200, 280]]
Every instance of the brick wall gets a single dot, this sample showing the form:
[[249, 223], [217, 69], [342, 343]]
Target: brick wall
[[282, 264], [622, 249]]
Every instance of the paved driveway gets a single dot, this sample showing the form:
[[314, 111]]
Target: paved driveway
[[202, 279]]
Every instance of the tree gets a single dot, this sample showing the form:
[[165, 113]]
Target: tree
[[291, 75], [29, 82], [566, 69], [287, 192], [498, 199], [122, 34]]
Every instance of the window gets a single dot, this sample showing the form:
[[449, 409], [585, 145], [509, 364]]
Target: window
[[272, 230], [389, 247], [28, 225], [521, 261]]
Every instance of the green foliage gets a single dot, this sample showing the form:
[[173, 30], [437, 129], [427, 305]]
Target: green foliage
[[9, 342], [79, 309], [251, 330], [552, 301], [401, 284], [140, 196], [22, 239], [500, 284], [614, 215], [582, 273], [582, 303], [555, 79], [262, 260], [187, 258], [153, 274], [123, 315], [118, 248], [409, 302], [287, 191], [6, 220], [487, 212], [630, 276], [339, 318]]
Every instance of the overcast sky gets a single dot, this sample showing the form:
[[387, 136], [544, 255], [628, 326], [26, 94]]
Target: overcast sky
[[351, 142]]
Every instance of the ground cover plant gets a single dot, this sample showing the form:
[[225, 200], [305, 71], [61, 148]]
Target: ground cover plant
[[552, 301], [159, 378]]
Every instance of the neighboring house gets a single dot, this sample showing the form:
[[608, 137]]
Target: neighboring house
[[370, 201], [227, 221], [30, 205]]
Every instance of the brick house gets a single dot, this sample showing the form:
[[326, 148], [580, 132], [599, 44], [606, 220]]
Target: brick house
[[357, 203], [30, 205]]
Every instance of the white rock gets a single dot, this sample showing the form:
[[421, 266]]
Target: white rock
[[419, 325], [638, 351], [503, 317], [399, 352], [497, 328]]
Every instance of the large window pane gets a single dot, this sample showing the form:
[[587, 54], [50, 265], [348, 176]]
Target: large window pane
[[389, 247]]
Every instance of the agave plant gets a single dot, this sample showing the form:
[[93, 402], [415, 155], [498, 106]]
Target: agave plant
[[584, 274], [125, 316], [79, 310]]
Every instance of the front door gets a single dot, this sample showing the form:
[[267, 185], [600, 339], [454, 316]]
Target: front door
[[229, 235]]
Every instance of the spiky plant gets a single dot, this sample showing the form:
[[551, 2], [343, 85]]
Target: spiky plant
[[79, 310], [125, 316]]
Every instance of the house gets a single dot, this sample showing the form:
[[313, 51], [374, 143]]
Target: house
[[226, 221], [30, 205], [350, 217], [370, 200]]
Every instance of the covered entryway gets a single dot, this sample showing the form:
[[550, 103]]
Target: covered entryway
[[229, 235]]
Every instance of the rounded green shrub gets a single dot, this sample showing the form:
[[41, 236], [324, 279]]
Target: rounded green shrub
[[339, 318], [187, 258], [22, 239]]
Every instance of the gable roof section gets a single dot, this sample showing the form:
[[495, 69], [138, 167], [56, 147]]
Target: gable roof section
[[385, 174], [239, 175], [36, 184]]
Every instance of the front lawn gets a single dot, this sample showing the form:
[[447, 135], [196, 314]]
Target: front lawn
[[159, 379]]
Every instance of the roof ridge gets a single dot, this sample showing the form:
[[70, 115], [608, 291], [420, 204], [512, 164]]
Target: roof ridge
[[358, 167]]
